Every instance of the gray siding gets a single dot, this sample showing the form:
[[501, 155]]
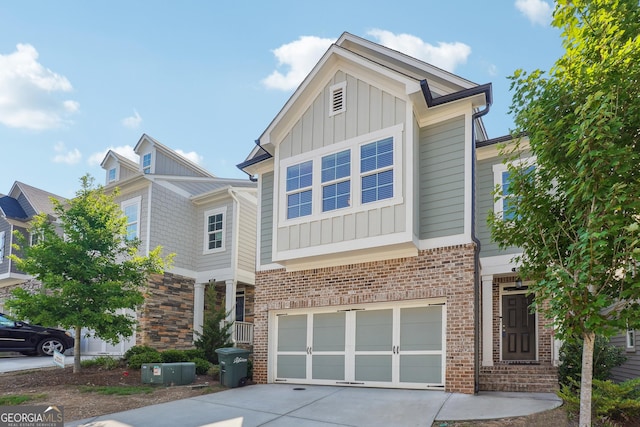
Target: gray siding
[[442, 179], [368, 109], [26, 206], [165, 165], [266, 218], [216, 260], [247, 236], [631, 368], [484, 202], [172, 226], [126, 173], [5, 262]]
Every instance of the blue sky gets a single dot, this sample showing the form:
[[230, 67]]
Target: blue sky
[[204, 77]]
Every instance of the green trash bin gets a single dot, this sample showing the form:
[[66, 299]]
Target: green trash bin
[[233, 366]]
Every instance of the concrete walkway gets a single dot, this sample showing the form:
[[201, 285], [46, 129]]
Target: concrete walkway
[[280, 405]]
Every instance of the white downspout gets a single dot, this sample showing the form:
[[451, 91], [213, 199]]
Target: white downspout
[[231, 285]]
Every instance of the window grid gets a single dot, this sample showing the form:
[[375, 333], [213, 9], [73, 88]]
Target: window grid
[[146, 163], [299, 193], [112, 174], [377, 157], [336, 174], [131, 212], [214, 230]]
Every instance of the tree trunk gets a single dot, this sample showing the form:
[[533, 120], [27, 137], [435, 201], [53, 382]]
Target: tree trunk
[[587, 379], [76, 350]]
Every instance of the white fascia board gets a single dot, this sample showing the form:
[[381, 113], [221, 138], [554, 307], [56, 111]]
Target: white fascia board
[[218, 275]]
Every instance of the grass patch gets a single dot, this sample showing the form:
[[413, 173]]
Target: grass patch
[[19, 399], [117, 390]]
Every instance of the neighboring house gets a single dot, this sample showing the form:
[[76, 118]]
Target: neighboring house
[[375, 267], [209, 223], [630, 346], [17, 209]]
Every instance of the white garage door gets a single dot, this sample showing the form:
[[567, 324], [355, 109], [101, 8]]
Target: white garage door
[[376, 346]]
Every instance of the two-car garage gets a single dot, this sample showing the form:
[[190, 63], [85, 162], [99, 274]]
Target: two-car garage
[[374, 345]]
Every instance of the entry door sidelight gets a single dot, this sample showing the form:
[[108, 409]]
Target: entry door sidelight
[[518, 328]]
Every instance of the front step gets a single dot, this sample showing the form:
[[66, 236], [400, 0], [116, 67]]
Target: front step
[[521, 378]]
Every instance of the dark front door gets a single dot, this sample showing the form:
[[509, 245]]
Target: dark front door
[[518, 328]]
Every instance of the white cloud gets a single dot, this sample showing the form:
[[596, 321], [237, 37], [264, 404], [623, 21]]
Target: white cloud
[[28, 92], [445, 55], [537, 11], [132, 122], [69, 157], [124, 150], [299, 57], [191, 155]]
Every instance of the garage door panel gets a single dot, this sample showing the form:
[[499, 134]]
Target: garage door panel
[[426, 369], [292, 333], [421, 328], [374, 368], [374, 330], [328, 367], [329, 332], [292, 366]]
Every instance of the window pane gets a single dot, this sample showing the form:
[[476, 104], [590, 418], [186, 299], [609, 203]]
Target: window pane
[[299, 176], [336, 196], [299, 204], [336, 166], [377, 186], [376, 155]]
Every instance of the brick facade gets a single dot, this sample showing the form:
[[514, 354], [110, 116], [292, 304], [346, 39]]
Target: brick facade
[[166, 318], [443, 272]]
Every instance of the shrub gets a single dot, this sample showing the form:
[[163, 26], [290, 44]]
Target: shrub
[[194, 353], [605, 357], [138, 349], [213, 336], [611, 402], [174, 356], [202, 365], [137, 360], [105, 362], [214, 371]]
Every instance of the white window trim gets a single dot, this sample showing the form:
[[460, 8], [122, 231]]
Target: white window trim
[[498, 169], [631, 340], [205, 242], [115, 175], [151, 166], [136, 201], [2, 243], [352, 144], [342, 86]]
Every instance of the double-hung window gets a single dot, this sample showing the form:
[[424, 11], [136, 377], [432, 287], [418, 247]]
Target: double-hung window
[[214, 229], [336, 181], [131, 209], [376, 170], [111, 175], [631, 339], [501, 177], [146, 163], [299, 193]]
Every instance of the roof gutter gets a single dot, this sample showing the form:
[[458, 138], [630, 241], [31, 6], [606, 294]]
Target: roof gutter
[[253, 161]]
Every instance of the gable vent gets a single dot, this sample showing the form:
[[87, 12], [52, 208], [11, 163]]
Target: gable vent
[[338, 98]]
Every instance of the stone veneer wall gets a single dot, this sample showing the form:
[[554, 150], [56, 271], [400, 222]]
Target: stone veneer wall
[[443, 272], [30, 285], [166, 318]]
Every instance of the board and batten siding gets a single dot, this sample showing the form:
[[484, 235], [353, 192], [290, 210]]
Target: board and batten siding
[[165, 165], [441, 169], [368, 109], [266, 218], [216, 260], [247, 235], [631, 368], [484, 202]]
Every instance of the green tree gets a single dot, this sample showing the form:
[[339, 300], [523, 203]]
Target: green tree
[[90, 271], [576, 214], [216, 333]]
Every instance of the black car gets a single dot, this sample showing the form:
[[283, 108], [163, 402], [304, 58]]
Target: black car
[[32, 340]]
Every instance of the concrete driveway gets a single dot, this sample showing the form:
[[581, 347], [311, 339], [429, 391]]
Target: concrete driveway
[[285, 405]]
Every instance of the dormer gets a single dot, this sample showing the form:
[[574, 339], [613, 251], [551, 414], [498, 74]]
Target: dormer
[[117, 168], [158, 159]]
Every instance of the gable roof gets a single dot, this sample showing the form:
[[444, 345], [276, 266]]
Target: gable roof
[[10, 208], [129, 164], [172, 154], [40, 200], [427, 86]]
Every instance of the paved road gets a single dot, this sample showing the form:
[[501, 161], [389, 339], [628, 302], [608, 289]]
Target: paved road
[[10, 362]]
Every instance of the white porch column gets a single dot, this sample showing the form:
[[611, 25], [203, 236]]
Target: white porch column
[[230, 304], [198, 308], [487, 320]]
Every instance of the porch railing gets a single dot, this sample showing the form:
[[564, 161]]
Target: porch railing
[[243, 333]]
